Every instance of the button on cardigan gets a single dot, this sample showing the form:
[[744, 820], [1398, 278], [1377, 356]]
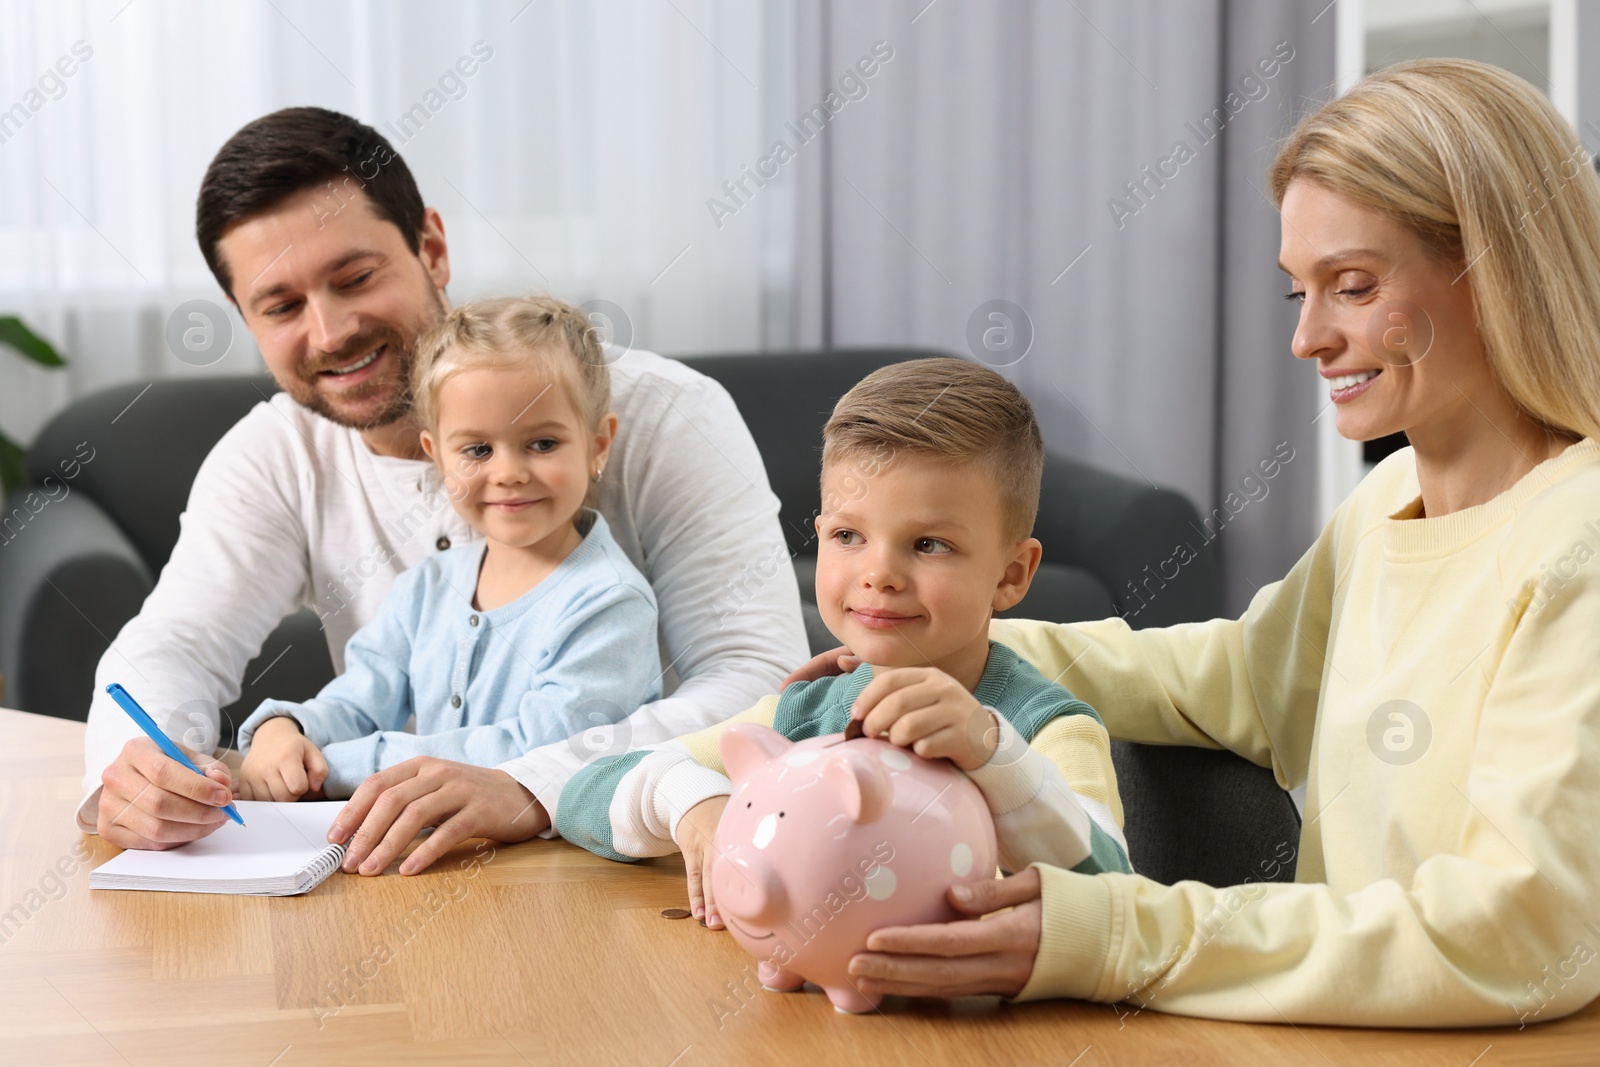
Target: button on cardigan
[[577, 650]]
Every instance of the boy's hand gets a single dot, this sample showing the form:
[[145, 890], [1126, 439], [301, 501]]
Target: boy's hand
[[696, 832], [929, 712], [281, 764]]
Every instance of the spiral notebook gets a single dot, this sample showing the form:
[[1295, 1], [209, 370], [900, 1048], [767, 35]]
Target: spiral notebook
[[282, 850]]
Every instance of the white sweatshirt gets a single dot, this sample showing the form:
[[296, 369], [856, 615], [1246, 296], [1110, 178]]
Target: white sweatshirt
[[291, 510]]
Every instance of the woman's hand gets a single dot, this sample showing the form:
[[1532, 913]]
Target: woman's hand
[[835, 661], [282, 763], [697, 832], [969, 957]]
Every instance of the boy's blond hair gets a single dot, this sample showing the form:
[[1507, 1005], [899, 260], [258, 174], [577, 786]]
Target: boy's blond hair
[[945, 409], [508, 332]]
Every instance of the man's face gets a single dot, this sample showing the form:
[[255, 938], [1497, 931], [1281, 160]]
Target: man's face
[[336, 302]]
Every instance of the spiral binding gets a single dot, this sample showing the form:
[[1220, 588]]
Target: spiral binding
[[327, 861]]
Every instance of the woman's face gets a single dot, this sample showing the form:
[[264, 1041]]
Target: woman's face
[[1392, 329]]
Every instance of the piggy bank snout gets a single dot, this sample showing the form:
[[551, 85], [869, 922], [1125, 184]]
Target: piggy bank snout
[[747, 887]]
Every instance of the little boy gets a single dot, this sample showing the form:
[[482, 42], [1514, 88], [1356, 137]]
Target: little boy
[[930, 487]]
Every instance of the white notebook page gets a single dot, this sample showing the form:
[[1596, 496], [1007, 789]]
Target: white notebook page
[[276, 841]]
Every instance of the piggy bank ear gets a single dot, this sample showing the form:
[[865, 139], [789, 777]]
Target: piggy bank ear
[[746, 746], [860, 782]]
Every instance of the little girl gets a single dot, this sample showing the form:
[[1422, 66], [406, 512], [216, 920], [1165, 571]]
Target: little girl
[[542, 630]]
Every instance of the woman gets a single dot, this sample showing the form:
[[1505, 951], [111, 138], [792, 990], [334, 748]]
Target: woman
[[1427, 669]]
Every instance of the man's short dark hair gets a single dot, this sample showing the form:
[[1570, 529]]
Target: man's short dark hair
[[299, 148]]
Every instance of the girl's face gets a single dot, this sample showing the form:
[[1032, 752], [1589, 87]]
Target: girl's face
[[516, 454], [1392, 329]]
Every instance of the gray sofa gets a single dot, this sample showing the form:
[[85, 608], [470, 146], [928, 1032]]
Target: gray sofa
[[75, 566]]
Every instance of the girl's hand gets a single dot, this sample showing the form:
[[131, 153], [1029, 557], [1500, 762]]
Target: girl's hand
[[969, 957], [696, 832], [929, 712], [281, 764]]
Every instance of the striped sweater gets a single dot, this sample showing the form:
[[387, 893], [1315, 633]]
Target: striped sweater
[[1049, 784]]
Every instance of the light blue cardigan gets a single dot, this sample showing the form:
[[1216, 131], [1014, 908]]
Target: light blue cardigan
[[577, 650]]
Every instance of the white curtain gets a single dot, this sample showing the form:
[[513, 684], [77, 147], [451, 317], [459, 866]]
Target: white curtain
[[578, 159], [739, 175], [992, 161]]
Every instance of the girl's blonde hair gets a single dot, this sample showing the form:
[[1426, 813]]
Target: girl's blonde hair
[[1481, 166], [509, 332]]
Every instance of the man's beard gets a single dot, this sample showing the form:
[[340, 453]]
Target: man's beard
[[399, 402], [396, 407]]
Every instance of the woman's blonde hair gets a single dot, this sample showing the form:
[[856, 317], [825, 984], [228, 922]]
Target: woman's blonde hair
[[509, 332], [1481, 166]]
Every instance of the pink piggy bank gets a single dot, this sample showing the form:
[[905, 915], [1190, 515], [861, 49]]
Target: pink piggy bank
[[827, 840]]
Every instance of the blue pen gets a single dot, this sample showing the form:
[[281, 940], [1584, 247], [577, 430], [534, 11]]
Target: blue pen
[[148, 725]]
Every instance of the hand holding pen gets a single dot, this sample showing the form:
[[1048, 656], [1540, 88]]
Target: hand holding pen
[[152, 800]]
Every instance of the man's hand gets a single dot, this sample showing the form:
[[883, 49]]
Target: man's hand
[[282, 763], [835, 661], [697, 831], [929, 712], [149, 800], [393, 806], [968, 957]]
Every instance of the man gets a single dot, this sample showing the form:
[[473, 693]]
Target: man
[[320, 496]]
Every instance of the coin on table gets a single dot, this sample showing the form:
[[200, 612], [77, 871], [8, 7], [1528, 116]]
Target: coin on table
[[675, 913]]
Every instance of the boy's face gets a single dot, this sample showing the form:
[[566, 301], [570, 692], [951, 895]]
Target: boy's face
[[322, 290], [912, 559]]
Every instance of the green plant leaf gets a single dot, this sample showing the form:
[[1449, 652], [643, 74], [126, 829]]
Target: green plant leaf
[[13, 471], [14, 333]]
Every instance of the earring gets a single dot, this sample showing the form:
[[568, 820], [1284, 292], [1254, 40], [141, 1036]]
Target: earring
[[598, 471]]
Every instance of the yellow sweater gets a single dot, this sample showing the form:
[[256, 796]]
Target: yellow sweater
[[1435, 683]]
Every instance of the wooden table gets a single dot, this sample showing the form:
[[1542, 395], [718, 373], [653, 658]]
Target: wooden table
[[528, 954]]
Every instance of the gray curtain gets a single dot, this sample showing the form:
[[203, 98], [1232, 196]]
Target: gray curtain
[[1029, 153]]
